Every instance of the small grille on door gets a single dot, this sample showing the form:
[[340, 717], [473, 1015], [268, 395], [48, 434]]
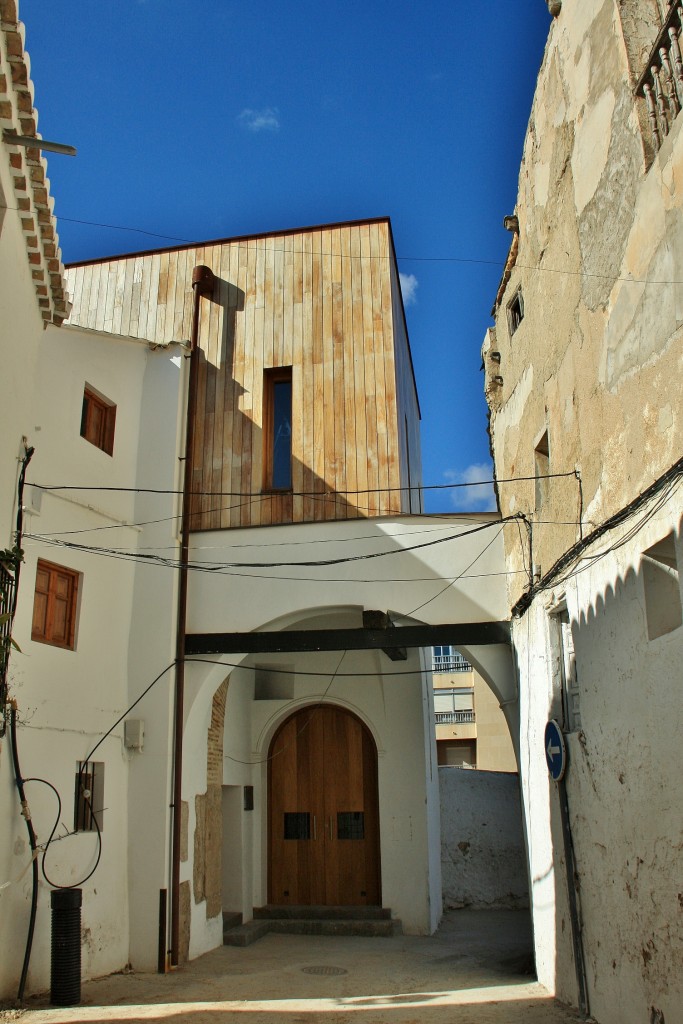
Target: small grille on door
[[297, 825], [351, 825]]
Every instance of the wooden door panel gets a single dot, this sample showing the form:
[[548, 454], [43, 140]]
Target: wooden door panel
[[323, 777], [350, 807], [296, 865]]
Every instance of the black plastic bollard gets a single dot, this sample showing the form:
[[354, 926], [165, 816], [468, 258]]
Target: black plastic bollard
[[65, 977]]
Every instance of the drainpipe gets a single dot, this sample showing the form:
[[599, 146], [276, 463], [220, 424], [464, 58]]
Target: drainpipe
[[202, 284]]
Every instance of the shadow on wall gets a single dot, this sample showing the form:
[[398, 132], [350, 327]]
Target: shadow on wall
[[624, 723], [229, 460]]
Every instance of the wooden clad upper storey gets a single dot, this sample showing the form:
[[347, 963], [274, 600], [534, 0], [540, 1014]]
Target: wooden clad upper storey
[[303, 347]]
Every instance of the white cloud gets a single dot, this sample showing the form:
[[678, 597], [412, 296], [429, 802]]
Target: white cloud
[[409, 285], [265, 120], [477, 495]]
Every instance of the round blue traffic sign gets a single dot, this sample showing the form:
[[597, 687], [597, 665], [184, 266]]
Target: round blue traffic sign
[[555, 750]]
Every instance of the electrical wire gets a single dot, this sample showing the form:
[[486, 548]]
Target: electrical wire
[[84, 795], [257, 498], [128, 711], [151, 522], [464, 260], [313, 563], [662, 489], [451, 582], [306, 542], [305, 725], [587, 561], [46, 846], [330, 495], [33, 843], [273, 670], [472, 517], [278, 577]]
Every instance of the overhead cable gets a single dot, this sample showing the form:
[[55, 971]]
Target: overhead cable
[[663, 488], [327, 495], [464, 260]]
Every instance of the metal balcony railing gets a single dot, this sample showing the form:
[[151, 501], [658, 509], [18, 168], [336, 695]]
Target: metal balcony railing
[[450, 663], [661, 83], [454, 717]]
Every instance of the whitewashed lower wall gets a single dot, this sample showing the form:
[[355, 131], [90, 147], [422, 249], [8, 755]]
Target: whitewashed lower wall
[[483, 859], [622, 783]]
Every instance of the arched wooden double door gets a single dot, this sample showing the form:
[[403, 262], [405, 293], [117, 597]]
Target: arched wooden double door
[[323, 811]]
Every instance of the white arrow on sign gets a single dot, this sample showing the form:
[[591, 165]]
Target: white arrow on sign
[[552, 750]]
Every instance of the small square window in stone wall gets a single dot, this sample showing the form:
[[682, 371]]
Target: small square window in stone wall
[[515, 311]]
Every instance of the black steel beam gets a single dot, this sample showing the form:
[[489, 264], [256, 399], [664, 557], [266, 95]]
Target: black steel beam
[[468, 634]]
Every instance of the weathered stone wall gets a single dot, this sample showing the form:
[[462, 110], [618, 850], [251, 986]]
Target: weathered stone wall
[[483, 860], [596, 362]]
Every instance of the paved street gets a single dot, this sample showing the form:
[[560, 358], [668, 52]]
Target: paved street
[[473, 971]]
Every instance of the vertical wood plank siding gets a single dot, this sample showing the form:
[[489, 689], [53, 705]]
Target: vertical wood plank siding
[[407, 410], [325, 302]]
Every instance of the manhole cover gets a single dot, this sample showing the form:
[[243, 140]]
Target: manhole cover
[[327, 971]]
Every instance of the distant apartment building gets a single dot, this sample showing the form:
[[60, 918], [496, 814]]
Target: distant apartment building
[[471, 731]]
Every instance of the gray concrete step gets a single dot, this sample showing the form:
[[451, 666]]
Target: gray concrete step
[[378, 928], [271, 912], [245, 934], [371, 922]]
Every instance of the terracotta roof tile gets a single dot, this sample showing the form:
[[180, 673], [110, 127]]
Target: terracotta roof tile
[[8, 10], [29, 169]]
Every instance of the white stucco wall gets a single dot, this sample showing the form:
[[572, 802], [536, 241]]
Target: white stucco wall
[[21, 335], [483, 856], [621, 787], [69, 699], [21, 332], [392, 699], [397, 708]]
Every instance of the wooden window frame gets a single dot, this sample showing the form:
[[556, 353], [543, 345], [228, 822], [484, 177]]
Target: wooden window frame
[[272, 377], [43, 625], [100, 432], [515, 311]]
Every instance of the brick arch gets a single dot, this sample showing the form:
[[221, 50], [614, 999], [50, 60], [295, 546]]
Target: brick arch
[[208, 833]]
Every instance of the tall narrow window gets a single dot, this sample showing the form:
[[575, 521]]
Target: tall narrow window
[[562, 645], [542, 469], [54, 605], [277, 429], [515, 311], [98, 417]]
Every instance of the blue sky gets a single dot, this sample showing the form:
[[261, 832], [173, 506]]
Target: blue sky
[[212, 119]]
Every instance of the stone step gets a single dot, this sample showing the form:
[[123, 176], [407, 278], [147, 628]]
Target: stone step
[[245, 934], [316, 913], [370, 928], [371, 922]]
